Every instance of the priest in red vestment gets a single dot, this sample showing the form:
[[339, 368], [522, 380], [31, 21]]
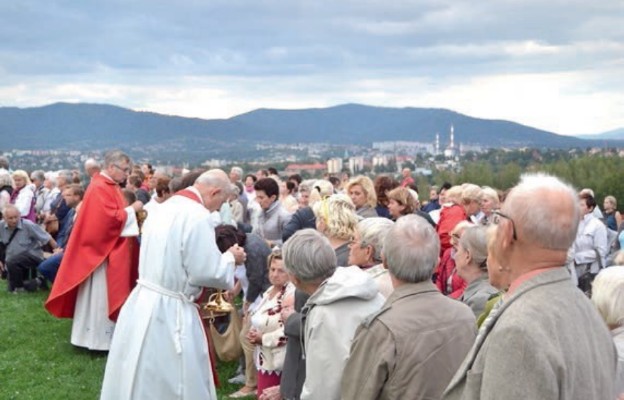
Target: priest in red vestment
[[100, 265]]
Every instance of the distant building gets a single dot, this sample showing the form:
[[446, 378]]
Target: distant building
[[356, 164], [452, 150], [311, 169], [334, 165]]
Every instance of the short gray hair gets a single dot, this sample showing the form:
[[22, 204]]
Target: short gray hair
[[372, 232], [238, 171], [544, 210], [474, 240], [5, 178], [9, 207], [114, 157], [608, 295], [308, 255], [411, 249], [66, 174], [216, 178], [38, 175], [91, 163]]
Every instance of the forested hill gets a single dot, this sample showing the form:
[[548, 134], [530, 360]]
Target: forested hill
[[84, 126]]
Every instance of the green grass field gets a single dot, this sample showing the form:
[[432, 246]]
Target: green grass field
[[38, 362]]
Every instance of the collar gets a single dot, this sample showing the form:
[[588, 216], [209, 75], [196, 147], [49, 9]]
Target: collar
[[192, 193], [410, 289], [527, 276], [103, 174]]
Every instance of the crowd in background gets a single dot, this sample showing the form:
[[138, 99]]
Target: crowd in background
[[359, 287]]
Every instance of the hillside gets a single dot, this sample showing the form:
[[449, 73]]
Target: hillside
[[89, 126]]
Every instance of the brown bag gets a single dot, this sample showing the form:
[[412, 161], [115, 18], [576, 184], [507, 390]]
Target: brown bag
[[227, 344]]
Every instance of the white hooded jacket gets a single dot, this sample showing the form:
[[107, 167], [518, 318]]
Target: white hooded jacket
[[331, 316]]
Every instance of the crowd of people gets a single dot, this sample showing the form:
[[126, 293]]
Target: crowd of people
[[349, 287]]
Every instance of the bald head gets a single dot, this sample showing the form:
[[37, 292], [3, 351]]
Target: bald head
[[11, 215], [214, 186], [544, 210]]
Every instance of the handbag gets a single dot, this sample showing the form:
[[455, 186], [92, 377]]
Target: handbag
[[227, 344]]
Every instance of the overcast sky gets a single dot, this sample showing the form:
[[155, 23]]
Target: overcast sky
[[556, 65]]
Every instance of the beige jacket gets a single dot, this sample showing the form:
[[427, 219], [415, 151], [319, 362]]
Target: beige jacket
[[410, 348]]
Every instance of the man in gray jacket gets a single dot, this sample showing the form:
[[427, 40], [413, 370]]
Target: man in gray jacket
[[413, 345], [545, 340]]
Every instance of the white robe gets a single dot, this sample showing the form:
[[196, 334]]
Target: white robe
[[159, 349], [91, 327]]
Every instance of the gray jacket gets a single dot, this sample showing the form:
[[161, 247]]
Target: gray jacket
[[272, 222], [410, 348], [546, 341], [477, 293]]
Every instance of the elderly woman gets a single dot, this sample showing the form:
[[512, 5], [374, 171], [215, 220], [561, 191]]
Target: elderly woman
[[362, 193], [267, 327], [336, 219], [471, 263], [365, 250], [447, 280], [613, 218], [340, 300], [590, 246], [608, 297], [23, 196], [489, 203]]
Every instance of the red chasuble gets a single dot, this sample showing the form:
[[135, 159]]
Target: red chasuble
[[95, 238]]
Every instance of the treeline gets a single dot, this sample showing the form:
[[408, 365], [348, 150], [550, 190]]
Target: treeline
[[604, 173]]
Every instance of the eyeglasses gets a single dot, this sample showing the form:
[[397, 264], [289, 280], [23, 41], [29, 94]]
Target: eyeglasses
[[125, 170], [497, 215]]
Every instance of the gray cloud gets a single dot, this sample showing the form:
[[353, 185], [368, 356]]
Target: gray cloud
[[307, 45]]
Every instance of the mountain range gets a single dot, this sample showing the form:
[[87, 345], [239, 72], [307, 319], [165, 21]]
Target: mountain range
[[93, 126]]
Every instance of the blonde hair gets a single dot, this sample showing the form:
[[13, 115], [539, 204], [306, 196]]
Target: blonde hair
[[320, 189], [491, 194], [22, 174], [338, 214], [454, 194], [608, 295], [612, 200], [403, 196], [367, 186], [471, 192]]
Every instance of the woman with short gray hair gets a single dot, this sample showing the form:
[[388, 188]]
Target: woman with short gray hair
[[365, 250], [340, 300], [471, 264]]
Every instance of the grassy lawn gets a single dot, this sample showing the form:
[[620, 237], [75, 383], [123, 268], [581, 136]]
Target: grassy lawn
[[38, 362]]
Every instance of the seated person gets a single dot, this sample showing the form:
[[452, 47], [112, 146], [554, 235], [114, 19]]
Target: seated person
[[23, 242], [73, 197]]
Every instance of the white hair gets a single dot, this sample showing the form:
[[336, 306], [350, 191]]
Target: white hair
[[491, 194], [372, 232], [216, 178], [608, 295], [411, 249], [544, 210], [238, 171], [308, 255]]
